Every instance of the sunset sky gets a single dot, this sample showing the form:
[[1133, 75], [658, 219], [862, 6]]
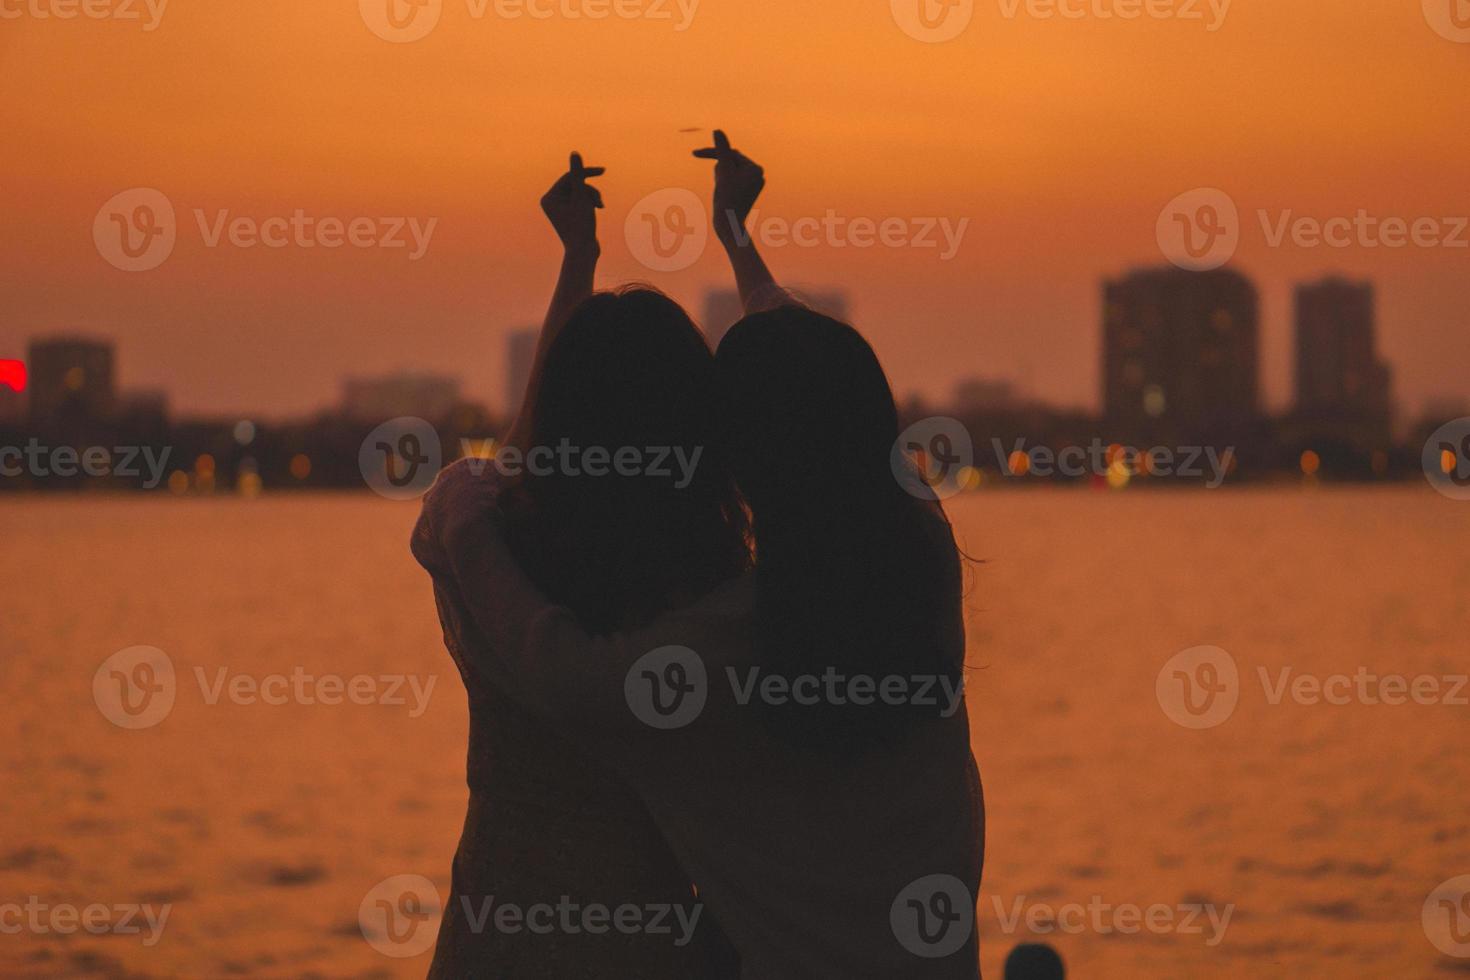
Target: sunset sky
[[1059, 139]]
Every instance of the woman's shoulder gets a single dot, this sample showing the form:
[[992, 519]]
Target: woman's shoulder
[[465, 490], [468, 488], [471, 476]]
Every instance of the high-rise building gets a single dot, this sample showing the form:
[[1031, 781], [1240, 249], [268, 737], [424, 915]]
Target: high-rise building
[[12, 404], [1180, 355], [426, 396], [1339, 376], [71, 380], [520, 358]]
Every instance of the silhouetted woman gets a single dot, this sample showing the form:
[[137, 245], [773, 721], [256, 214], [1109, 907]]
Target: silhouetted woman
[[547, 826], [799, 734]]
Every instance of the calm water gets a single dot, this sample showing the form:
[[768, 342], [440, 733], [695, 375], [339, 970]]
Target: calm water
[[1325, 827]]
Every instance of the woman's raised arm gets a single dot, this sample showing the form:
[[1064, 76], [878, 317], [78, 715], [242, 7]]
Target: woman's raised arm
[[571, 206], [739, 181]]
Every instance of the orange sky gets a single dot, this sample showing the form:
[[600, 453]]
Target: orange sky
[[1059, 139]]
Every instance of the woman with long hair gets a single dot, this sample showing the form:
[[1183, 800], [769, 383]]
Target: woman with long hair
[[548, 828], [853, 571]]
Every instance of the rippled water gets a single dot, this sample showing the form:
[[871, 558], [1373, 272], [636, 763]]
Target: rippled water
[[1322, 828]]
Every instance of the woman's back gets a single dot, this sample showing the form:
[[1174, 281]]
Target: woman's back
[[547, 826]]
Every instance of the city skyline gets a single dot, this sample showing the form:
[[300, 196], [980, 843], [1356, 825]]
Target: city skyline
[[1057, 185], [1179, 359], [1278, 370], [1180, 366]]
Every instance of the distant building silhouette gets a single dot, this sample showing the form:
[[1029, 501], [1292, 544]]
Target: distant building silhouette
[[1343, 409], [1180, 353], [520, 358], [71, 380], [143, 406], [12, 405], [426, 396], [1339, 376], [980, 396]]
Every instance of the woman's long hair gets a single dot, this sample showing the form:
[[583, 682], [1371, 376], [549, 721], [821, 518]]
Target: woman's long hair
[[629, 374], [855, 576]]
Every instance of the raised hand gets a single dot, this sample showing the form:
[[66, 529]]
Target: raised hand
[[571, 206], [738, 183]]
